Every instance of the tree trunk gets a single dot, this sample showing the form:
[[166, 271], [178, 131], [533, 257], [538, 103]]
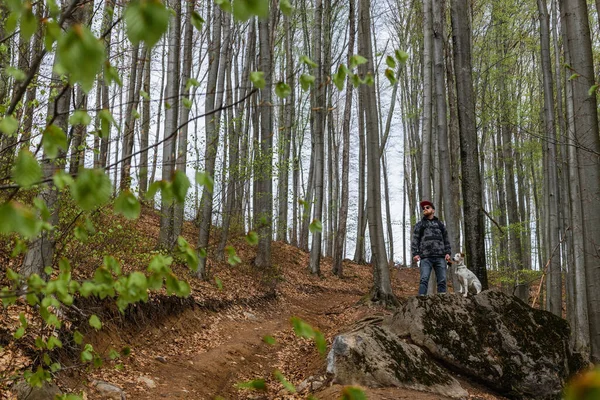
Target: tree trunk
[[166, 237], [212, 138], [264, 212], [338, 253], [471, 177], [382, 288], [318, 139], [586, 136]]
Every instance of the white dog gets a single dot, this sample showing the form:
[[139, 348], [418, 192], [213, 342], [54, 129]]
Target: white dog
[[466, 277]]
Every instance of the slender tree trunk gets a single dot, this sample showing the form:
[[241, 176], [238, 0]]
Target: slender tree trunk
[[184, 112], [264, 213], [166, 237], [382, 288], [426, 163], [318, 135], [585, 124], [471, 177], [212, 137], [338, 253], [145, 128], [554, 277]]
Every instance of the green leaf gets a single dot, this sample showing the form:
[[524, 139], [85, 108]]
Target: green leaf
[[353, 393], [95, 322], [81, 54], [8, 125], [127, 205], [19, 333], [401, 56], [256, 384], [26, 170], [306, 81], [389, 60], [16, 73], [87, 354], [61, 179], [53, 32], [29, 22], [369, 79], [197, 20], [146, 20], [91, 189], [203, 179], [53, 342], [270, 340], [188, 253], [111, 75], [285, 7], [219, 283], [258, 79], [180, 185], [357, 60], [339, 78], [187, 103], [286, 384], [77, 337], [302, 329], [252, 238], [592, 90], [320, 342], [391, 77], [308, 61], [244, 9], [225, 5], [282, 90], [144, 95], [574, 76], [315, 226], [356, 80], [191, 83], [113, 354], [17, 218], [80, 117], [54, 139], [106, 120]]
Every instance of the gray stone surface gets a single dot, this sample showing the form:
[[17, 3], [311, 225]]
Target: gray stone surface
[[495, 338], [373, 356]]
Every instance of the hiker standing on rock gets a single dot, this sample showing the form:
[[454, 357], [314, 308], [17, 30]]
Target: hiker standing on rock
[[431, 246]]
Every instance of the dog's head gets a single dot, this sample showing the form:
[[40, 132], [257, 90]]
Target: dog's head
[[459, 258]]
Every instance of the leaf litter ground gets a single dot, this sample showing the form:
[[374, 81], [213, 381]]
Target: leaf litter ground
[[205, 346]]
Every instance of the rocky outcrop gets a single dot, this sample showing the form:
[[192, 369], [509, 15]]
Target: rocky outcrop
[[372, 355], [495, 338]]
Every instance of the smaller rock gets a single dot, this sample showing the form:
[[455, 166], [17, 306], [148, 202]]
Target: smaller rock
[[317, 385], [150, 384], [250, 316], [109, 391], [161, 359], [303, 386]]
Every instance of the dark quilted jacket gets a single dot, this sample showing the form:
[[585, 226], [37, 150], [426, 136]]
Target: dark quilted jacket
[[430, 239]]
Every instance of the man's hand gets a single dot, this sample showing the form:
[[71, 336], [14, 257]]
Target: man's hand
[[448, 257], [416, 258]]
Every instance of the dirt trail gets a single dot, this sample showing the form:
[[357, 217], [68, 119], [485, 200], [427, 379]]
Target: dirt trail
[[200, 354]]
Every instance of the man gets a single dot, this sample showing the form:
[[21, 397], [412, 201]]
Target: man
[[430, 245]]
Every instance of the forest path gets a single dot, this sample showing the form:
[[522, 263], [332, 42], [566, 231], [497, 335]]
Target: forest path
[[204, 352]]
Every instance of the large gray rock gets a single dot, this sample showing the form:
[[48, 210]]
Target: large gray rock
[[373, 356], [497, 339]]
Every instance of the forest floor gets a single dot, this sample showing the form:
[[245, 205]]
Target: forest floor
[[233, 329]]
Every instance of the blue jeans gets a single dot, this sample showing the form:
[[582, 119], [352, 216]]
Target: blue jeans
[[439, 266]]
